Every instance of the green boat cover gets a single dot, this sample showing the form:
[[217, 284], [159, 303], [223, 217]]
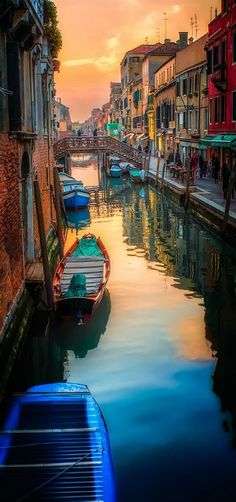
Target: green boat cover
[[134, 172], [77, 286], [87, 247]]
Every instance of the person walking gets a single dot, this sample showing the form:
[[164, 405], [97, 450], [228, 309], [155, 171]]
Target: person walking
[[225, 179]]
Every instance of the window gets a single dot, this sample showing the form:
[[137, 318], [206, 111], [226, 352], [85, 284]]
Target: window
[[234, 47], [209, 62], [217, 110], [205, 119], [210, 111], [135, 59], [223, 52], [223, 108], [196, 82], [178, 88], [190, 85], [216, 55], [190, 120], [234, 105], [196, 119], [185, 120], [184, 86]]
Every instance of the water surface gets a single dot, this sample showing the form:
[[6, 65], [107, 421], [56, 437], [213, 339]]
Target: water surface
[[160, 354]]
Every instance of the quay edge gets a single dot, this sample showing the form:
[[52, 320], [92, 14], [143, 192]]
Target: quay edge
[[205, 210]]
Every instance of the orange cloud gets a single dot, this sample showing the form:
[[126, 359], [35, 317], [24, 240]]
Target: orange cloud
[[97, 33]]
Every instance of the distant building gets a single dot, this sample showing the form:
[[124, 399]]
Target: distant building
[[63, 123], [164, 107]]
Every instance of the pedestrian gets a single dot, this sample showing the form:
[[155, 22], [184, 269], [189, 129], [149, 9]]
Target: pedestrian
[[95, 132], [201, 166], [139, 147], [215, 168], [225, 179], [79, 132]]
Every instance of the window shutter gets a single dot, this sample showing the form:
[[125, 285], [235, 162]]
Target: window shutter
[[13, 84]]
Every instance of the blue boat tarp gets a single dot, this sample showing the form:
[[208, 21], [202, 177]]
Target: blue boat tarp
[[54, 446]]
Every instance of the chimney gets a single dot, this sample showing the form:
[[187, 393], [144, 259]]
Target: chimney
[[190, 40], [183, 39], [167, 41]]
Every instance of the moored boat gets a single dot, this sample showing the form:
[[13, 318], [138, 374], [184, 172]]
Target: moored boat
[[80, 279], [138, 176], [125, 167], [75, 195], [54, 445], [65, 177], [115, 171]]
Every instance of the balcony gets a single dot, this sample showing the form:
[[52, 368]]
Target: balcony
[[218, 78], [37, 6]]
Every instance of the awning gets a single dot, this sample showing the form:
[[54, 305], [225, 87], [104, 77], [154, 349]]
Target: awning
[[224, 141], [185, 143]]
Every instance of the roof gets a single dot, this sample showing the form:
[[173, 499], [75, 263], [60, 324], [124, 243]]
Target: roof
[[141, 49], [168, 49]]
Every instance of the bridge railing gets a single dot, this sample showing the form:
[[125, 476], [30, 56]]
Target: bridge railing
[[77, 144]]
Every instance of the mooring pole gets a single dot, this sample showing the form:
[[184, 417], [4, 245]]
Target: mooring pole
[[58, 210], [187, 193], [43, 244]]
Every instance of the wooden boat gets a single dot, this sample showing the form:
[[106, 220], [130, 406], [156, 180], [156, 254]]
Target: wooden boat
[[54, 445], [115, 171], [80, 279], [75, 195], [65, 177], [125, 167], [136, 178]]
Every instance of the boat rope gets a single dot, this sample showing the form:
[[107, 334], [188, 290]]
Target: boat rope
[[29, 445], [100, 449]]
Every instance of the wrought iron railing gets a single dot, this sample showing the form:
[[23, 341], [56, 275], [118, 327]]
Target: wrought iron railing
[[37, 6], [77, 144]]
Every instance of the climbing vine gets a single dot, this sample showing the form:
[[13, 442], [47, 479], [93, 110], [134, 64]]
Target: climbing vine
[[51, 29]]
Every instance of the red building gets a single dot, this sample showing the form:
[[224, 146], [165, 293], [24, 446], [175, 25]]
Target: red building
[[221, 52]]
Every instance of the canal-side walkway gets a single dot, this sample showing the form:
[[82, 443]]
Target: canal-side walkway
[[204, 191]]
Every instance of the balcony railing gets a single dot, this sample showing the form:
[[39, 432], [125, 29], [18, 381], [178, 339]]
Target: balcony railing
[[219, 78], [37, 6]]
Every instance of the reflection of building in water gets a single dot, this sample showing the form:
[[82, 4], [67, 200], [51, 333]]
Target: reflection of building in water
[[81, 339], [220, 319]]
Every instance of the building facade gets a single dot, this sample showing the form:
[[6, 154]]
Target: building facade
[[191, 98], [221, 55], [164, 107], [26, 145]]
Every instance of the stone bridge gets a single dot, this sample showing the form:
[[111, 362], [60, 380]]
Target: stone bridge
[[70, 145]]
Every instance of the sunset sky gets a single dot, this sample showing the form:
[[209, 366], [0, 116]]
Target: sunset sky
[[97, 33]]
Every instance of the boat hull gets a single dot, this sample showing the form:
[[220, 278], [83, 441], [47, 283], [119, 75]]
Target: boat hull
[[115, 173], [138, 180], [74, 199], [81, 308], [66, 446]]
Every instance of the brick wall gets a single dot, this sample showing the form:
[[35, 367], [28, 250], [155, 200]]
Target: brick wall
[[11, 263], [43, 162]]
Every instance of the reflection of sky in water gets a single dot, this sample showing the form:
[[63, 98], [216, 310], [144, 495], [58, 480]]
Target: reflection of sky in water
[[147, 358], [152, 371]]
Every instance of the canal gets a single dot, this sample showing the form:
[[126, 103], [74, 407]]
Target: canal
[[159, 355]]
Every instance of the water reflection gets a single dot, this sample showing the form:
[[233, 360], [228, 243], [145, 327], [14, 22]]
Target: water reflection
[[171, 344], [81, 339], [78, 219]]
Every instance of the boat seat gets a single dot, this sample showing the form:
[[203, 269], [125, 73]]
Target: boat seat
[[92, 267]]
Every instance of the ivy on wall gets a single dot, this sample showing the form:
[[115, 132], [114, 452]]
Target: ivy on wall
[[51, 29]]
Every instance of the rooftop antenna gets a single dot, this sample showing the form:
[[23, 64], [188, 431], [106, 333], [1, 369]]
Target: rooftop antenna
[[165, 21], [196, 26], [192, 25]]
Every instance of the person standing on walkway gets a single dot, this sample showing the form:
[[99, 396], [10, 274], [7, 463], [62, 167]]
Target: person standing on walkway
[[201, 165], [225, 179], [215, 168]]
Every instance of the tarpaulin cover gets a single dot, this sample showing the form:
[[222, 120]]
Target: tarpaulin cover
[[77, 286], [87, 247]]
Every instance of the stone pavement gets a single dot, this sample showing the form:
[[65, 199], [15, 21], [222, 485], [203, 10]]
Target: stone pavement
[[205, 189]]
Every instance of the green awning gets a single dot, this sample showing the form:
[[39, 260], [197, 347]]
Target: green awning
[[224, 140], [206, 141]]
